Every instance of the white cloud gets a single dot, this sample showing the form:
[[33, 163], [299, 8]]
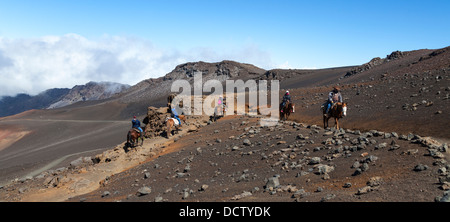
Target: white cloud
[[285, 65], [36, 64]]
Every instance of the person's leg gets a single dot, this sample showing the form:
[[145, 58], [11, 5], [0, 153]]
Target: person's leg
[[328, 108], [142, 132]]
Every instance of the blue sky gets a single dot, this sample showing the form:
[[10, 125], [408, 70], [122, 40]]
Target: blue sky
[[269, 34]]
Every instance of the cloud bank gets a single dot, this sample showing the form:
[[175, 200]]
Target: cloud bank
[[36, 64]]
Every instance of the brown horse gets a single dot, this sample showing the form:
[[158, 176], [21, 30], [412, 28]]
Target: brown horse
[[170, 123], [288, 108], [133, 137], [339, 110]]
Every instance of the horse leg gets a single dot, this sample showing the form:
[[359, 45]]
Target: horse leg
[[336, 122], [128, 140], [168, 129], [325, 122]]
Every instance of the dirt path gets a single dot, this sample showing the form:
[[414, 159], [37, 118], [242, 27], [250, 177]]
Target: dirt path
[[89, 178]]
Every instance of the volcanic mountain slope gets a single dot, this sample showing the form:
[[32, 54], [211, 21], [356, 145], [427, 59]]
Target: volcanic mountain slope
[[407, 95], [62, 134], [55, 98], [90, 91], [10, 105]]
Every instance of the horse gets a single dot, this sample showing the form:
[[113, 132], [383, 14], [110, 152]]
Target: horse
[[287, 109], [339, 110], [219, 112], [133, 137], [170, 123]]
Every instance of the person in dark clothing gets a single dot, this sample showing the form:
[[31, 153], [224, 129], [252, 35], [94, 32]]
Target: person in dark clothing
[[135, 123], [286, 98], [333, 97]]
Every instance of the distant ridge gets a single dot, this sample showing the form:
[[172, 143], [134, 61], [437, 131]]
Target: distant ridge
[[10, 105], [59, 97], [90, 91]]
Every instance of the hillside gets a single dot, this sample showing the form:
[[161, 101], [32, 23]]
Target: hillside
[[393, 146], [10, 105], [56, 98], [89, 91]]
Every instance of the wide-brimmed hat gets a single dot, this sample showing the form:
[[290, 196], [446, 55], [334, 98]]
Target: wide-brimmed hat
[[336, 88]]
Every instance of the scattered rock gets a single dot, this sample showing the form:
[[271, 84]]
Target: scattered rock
[[144, 191], [314, 160], [364, 190], [105, 194], [203, 187], [272, 182], [444, 198], [420, 167], [347, 185], [375, 181], [242, 195], [327, 197]]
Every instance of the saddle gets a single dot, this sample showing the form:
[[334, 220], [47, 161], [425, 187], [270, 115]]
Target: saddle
[[175, 121], [137, 130]]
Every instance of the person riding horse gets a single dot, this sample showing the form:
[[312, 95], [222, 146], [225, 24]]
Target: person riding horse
[[286, 98], [175, 115], [135, 123], [333, 97]]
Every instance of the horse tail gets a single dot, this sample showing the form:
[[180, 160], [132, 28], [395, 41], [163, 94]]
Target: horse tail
[[128, 137]]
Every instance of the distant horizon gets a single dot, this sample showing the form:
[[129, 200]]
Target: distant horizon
[[59, 44]]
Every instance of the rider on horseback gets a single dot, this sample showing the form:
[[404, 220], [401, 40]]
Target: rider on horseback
[[333, 97], [175, 115], [135, 123], [286, 98]]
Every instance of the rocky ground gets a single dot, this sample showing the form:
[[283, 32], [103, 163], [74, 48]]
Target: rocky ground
[[237, 159]]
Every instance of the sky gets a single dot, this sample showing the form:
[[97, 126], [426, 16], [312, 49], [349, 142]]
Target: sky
[[62, 43]]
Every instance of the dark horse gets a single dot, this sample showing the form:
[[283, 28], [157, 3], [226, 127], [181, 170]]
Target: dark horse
[[339, 110], [287, 109], [133, 137]]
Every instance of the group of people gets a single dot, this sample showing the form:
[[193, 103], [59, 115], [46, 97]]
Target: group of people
[[135, 123], [333, 97]]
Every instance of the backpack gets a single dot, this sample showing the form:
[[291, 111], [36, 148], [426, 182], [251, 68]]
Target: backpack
[[336, 97]]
